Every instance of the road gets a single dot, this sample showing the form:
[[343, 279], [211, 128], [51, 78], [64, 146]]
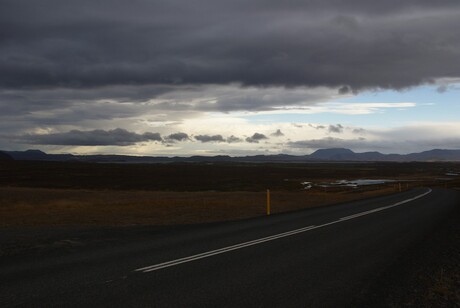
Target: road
[[322, 257]]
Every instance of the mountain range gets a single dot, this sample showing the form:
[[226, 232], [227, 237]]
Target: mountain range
[[335, 154]]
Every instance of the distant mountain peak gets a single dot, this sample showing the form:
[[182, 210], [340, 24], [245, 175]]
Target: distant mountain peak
[[36, 152], [335, 150], [333, 154]]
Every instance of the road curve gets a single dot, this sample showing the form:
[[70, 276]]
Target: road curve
[[322, 257]]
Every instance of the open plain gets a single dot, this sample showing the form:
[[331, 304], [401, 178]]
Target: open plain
[[98, 229], [57, 193]]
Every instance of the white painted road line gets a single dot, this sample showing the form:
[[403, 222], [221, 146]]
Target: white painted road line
[[207, 254], [222, 250]]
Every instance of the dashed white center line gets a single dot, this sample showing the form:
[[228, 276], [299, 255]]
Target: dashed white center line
[[211, 253]]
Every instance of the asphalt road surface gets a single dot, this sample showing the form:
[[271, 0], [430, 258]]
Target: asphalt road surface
[[323, 257]]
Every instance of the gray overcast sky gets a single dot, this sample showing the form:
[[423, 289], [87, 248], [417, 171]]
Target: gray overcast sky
[[92, 69]]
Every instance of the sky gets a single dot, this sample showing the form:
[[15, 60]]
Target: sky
[[214, 77]]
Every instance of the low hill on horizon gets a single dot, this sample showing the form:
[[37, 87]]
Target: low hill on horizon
[[5, 156], [333, 155]]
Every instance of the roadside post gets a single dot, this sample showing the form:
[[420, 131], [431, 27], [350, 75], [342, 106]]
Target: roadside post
[[268, 201]]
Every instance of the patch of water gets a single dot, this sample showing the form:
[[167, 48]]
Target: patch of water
[[307, 185], [352, 183]]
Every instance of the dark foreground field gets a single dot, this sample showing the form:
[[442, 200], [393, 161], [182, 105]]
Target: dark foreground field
[[55, 193], [50, 208], [209, 177]]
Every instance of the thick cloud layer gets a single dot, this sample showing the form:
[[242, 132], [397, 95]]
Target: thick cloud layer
[[119, 137], [349, 45], [80, 68]]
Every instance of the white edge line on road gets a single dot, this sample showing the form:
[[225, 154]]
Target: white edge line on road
[[268, 238]]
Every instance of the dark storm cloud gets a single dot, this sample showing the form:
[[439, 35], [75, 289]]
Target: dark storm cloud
[[177, 137], [344, 90], [234, 139], [220, 138], [69, 106], [256, 138], [227, 98], [349, 45], [278, 133], [359, 131], [118, 137], [209, 138], [317, 126], [335, 128]]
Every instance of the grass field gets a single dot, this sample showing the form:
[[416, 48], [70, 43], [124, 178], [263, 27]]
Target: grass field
[[41, 206], [49, 193]]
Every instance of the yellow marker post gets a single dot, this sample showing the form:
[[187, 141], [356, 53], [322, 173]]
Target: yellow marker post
[[268, 201]]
